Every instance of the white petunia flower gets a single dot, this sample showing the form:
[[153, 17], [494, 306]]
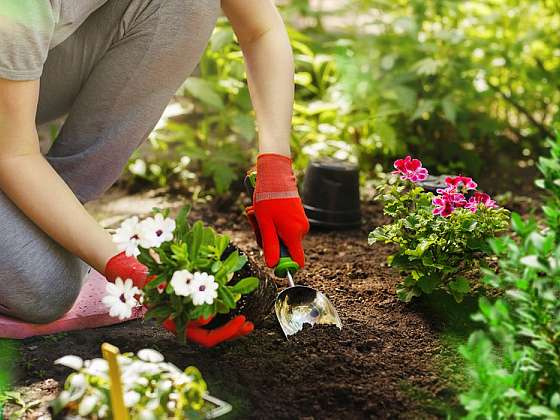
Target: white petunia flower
[[157, 230], [121, 298], [181, 282], [87, 405], [204, 289], [129, 236], [150, 355], [131, 398], [71, 361], [96, 367]]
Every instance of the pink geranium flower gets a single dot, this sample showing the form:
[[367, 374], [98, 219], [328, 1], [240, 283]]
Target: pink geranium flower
[[442, 207], [410, 169], [480, 198], [450, 195], [461, 183]]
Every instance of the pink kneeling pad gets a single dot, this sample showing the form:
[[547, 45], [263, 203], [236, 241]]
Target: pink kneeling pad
[[87, 312]]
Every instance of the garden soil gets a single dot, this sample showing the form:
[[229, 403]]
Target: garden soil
[[384, 363]]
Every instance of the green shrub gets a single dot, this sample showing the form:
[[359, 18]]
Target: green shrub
[[436, 249], [454, 81], [515, 361]]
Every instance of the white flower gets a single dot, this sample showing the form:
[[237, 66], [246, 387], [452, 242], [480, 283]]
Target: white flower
[[131, 398], [78, 381], [73, 362], [120, 299], [87, 405], [157, 230], [204, 289], [181, 282], [149, 355], [129, 235], [96, 367], [146, 415]]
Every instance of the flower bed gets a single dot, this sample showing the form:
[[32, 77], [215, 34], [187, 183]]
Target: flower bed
[[442, 239]]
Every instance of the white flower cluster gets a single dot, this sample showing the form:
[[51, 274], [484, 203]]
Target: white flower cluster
[[148, 233], [151, 386], [201, 287]]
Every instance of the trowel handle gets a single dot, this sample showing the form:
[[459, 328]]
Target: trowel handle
[[286, 263]]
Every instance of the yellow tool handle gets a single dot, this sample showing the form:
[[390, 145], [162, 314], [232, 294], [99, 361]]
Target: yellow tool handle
[[110, 354]]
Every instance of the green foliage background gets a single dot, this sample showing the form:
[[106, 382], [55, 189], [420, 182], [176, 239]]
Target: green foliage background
[[450, 81], [514, 361]]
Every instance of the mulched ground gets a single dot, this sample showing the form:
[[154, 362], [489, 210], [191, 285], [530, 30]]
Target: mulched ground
[[383, 364]]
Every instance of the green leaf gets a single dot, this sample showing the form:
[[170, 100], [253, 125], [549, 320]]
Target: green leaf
[[226, 296], [221, 38], [160, 313], [449, 108], [428, 283], [195, 240], [532, 261], [245, 286], [244, 125], [204, 91], [542, 411], [460, 285]]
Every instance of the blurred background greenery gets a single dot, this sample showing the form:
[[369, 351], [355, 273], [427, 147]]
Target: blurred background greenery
[[469, 87]]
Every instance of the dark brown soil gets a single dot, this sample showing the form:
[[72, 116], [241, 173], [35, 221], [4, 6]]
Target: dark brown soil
[[382, 364]]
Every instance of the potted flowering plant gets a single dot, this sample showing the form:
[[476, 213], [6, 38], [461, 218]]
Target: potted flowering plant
[[191, 269], [152, 389], [443, 238]]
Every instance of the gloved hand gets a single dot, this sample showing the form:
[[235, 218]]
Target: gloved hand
[[127, 267], [278, 209], [235, 328]]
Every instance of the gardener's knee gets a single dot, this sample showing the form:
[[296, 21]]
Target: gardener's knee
[[43, 290]]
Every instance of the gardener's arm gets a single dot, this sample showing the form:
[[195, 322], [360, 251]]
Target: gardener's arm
[[270, 69], [34, 186]]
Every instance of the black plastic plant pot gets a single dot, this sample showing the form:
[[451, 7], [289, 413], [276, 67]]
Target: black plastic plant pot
[[331, 194], [433, 183]]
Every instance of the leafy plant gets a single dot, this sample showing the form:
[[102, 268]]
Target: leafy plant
[[152, 388], [190, 268], [515, 361], [436, 250]]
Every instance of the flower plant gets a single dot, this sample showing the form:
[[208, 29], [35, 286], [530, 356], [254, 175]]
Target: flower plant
[[152, 388], [191, 269], [514, 363], [442, 239]]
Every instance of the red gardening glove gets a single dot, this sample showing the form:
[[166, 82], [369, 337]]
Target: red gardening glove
[[127, 267], [278, 208], [235, 328], [250, 212]]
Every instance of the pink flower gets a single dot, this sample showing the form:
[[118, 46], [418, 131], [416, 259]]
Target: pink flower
[[410, 169], [452, 196], [442, 207], [462, 183], [480, 198]]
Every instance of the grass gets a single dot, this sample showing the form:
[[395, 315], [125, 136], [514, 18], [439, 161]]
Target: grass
[[8, 352], [453, 324]]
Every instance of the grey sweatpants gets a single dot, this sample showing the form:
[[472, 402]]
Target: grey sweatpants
[[113, 78]]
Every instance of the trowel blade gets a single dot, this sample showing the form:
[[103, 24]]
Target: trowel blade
[[299, 305]]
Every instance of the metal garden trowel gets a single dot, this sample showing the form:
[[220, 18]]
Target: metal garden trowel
[[297, 305]]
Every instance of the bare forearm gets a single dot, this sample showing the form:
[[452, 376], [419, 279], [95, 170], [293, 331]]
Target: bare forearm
[[270, 71], [38, 191]]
